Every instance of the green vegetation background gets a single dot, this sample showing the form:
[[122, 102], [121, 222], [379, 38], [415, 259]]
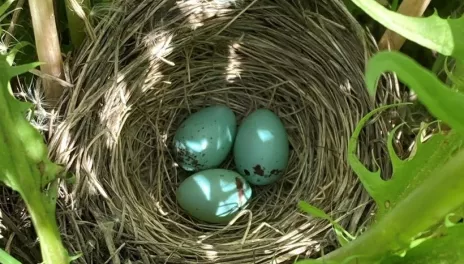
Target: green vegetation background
[[419, 211]]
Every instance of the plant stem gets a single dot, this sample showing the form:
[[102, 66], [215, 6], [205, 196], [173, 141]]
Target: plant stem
[[75, 23], [13, 22], [47, 45], [458, 75], [46, 227], [439, 195]]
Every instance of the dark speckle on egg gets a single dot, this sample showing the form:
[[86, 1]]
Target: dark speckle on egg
[[247, 172], [260, 146], [188, 158], [258, 170], [199, 130]]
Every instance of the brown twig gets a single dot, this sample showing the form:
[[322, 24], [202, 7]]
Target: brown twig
[[392, 40]]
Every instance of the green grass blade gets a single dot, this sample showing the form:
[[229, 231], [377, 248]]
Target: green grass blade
[[76, 24], [5, 6], [6, 258], [343, 236], [395, 5]]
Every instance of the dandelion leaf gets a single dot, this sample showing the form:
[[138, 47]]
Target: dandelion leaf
[[408, 173]]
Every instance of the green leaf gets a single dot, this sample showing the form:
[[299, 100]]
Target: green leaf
[[394, 5], [344, 237], [457, 76], [443, 102], [427, 205], [25, 166], [445, 36], [76, 257], [407, 174], [17, 48], [448, 248], [5, 6], [6, 258]]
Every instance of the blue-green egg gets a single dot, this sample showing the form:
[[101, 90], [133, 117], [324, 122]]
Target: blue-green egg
[[261, 149], [205, 138], [214, 195]]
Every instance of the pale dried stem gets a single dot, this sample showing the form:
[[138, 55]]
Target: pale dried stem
[[48, 47], [394, 41]]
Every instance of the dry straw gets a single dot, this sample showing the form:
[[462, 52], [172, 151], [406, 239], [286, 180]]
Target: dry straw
[[155, 61]]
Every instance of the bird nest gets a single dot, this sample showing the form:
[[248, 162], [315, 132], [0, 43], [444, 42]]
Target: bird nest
[[154, 62]]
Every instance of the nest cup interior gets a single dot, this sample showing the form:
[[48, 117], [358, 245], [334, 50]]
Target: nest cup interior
[[154, 63]]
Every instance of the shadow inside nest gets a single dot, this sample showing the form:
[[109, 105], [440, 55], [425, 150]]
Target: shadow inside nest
[[154, 63]]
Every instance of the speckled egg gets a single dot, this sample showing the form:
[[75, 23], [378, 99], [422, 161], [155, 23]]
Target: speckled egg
[[214, 195], [205, 138], [261, 149]]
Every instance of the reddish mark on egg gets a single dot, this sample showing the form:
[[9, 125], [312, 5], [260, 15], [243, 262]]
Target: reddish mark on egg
[[241, 194]]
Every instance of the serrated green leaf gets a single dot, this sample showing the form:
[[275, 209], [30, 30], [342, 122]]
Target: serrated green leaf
[[445, 36], [421, 210], [344, 237], [407, 174], [443, 102], [448, 248], [25, 166]]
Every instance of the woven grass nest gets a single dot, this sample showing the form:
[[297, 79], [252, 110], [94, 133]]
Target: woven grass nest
[[154, 62]]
